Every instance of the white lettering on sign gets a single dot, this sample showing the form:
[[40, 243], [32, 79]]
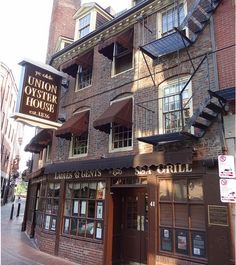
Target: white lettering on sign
[[166, 169], [79, 174]]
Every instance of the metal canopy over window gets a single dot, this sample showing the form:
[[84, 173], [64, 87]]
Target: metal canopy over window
[[125, 39], [119, 112], [131, 161], [167, 44], [76, 125], [168, 137], [71, 67], [39, 141]]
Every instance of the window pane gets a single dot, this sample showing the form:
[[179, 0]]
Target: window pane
[[99, 230], [82, 227], [198, 244], [68, 190], [181, 241], [165, 190], [84, 190], [90, 229], [181, 215], [92, 190], [166, 214], [66, 225], [195, 189], [75, 207], [73, 229], [67, 208], [101, 191], [180, 190], [166, 239], [197, 217], [91, 209]]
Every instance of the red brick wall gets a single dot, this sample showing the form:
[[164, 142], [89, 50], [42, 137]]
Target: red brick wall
[[81, 252], [224, 21], [45, 241], [62, 22]]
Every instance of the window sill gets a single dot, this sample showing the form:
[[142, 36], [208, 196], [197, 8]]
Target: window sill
[[95, 241], [124, 149], [115, 75], [78, 156], [81, 89]]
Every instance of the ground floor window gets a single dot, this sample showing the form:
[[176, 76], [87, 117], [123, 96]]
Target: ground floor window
[[181, 217], [47, 204], [84, 210]]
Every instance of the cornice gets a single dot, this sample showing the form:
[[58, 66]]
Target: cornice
[[112, 30]]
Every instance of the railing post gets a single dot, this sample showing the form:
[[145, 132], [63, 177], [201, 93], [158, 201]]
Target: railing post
[[182, 109]]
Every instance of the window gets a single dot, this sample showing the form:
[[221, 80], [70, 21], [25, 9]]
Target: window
[[122, 59], [182, 219], [172, 18], [121, 136], [48, 152], [171, 119], [84, 210], [84, 77], [84, 26], [47, 205], [80, 144]]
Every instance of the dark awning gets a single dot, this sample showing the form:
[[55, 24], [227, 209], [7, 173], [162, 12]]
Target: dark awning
[[125, 39], [119, 112], [131, 161], [165, 45], [167, 137], [77, 125], [39, 141], [71, 67]]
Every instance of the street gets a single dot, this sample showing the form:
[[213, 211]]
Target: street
[[16, 247]]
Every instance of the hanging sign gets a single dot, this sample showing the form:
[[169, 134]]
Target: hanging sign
[[39, 97], [228, 190], [226, 166]]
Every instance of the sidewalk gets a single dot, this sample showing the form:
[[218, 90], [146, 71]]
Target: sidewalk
[[16, 247]]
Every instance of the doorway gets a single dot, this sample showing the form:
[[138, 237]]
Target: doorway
[[130, 226]]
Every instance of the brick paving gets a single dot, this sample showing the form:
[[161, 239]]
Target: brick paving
[[16, 247]]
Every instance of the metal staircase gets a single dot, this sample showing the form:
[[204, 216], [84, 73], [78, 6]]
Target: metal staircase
[[205, 115], [194, 22]]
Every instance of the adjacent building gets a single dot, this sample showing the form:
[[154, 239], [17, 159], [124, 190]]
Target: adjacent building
[[131, 176], [11, 134]]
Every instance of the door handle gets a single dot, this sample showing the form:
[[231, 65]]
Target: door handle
[[142, 223], [138, 222]]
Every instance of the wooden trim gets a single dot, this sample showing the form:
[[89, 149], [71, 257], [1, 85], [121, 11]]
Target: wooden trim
[[59, 217], [108, 226]]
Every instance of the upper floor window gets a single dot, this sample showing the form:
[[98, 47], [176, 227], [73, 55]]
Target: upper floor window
[[80, 144], [121, 137], [171, 18], [122, 59], [84, 25], [84, 77], [174, 104]]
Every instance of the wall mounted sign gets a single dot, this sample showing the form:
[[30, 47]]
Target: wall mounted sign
[[217, 215], [226, 166], [228, 190], [39, 95]]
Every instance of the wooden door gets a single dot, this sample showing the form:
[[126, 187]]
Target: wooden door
[[134, 226]]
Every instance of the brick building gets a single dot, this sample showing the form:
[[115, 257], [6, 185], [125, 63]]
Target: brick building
[[131, 176], [11, 134]]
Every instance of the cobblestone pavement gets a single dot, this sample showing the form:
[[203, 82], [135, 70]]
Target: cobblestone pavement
[[16, 247]]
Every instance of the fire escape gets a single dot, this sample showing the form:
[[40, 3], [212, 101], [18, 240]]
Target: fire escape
[[204, 114]]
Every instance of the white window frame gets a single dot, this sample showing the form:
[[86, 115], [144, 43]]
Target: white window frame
[[71, 155], [160, 32], [77, 82], [128, 148], [84, 26], [113, 70], [165, 85]]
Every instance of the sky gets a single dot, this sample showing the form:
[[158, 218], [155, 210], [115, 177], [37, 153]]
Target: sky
[[24, 26]]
